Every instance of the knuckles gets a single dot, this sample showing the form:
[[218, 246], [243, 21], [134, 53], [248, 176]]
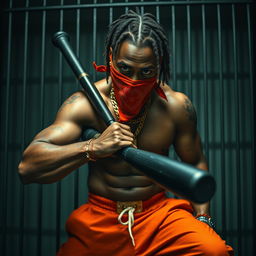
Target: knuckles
[[116, 127], [116, 136], [116, 133]]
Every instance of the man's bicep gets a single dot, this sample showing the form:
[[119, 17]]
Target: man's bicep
[[188, 147], [60, 133], [187, 140], [67, 127]]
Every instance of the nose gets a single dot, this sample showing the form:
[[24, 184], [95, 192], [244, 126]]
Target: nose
[[135, 76]]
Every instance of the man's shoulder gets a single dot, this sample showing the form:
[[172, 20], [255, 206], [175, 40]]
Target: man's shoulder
[[180, 106], [76, 108], [175, 99], [74, 101]]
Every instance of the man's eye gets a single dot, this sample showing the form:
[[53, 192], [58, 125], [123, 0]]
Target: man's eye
[[124, 68], [147, 71]]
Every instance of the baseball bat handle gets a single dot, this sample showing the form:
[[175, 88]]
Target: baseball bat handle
[[61, 40], [180, 178]]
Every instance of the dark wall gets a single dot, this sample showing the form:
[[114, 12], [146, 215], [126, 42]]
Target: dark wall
[[212, 62]]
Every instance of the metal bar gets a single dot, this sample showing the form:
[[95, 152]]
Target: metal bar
[[59, 184], [94, 40], [173, 50], [237, 121], [189, 51], [42, 83], [126, 7], [6, 135], [125, 4], [221, 113], [76, 187], [157, 13], [173, 60], [206, 120], [110, 13], [142, 7], [250, 54], [23, 125]]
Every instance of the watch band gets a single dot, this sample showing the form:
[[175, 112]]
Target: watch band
[[206, 219]]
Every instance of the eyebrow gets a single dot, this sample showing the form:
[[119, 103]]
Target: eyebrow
[[123, 63]]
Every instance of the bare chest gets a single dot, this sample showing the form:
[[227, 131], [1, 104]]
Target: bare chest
[[157, 134]]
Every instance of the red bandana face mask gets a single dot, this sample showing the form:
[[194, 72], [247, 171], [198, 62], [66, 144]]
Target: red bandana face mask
[[131, 95]]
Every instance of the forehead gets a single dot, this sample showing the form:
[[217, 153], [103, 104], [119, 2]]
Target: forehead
[[140, 54]]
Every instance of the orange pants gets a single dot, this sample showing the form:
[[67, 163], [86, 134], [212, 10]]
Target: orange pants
[[166, 226]]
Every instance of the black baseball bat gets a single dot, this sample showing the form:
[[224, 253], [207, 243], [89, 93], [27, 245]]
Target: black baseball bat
[[180, 178]]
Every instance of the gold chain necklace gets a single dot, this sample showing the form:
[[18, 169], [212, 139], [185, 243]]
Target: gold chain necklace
[[137, 124]]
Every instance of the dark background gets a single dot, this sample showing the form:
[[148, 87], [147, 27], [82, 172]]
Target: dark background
[[212, 45]]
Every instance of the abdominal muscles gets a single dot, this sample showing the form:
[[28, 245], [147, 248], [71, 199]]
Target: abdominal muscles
[[119, 181]]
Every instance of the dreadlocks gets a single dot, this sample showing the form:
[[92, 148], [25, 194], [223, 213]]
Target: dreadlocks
[[141, 30]]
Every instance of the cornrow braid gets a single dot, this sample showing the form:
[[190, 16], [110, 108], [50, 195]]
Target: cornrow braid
[[140, 29]]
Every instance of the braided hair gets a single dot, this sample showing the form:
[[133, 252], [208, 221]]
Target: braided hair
[[140, 30]]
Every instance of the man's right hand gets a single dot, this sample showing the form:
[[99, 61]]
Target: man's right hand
[[115, 137]]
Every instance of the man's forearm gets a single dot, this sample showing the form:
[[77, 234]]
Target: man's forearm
[[46, 163], [201, 208]]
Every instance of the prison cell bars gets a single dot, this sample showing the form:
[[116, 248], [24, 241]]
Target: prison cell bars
[[111, 5], [237, 120], [23, 125], [6, 131], [60, 82], [127, 4], [205, 80], [76, 194], [251, 81], [221, 91]]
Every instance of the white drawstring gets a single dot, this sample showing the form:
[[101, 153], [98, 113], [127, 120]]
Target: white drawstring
[[130, 222]]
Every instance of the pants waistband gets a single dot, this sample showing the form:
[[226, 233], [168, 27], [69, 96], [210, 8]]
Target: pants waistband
[[119, 206]]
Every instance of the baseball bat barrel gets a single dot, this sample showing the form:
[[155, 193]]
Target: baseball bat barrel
[[180, 178]]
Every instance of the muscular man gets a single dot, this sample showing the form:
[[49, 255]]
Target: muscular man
[[127, 213]]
